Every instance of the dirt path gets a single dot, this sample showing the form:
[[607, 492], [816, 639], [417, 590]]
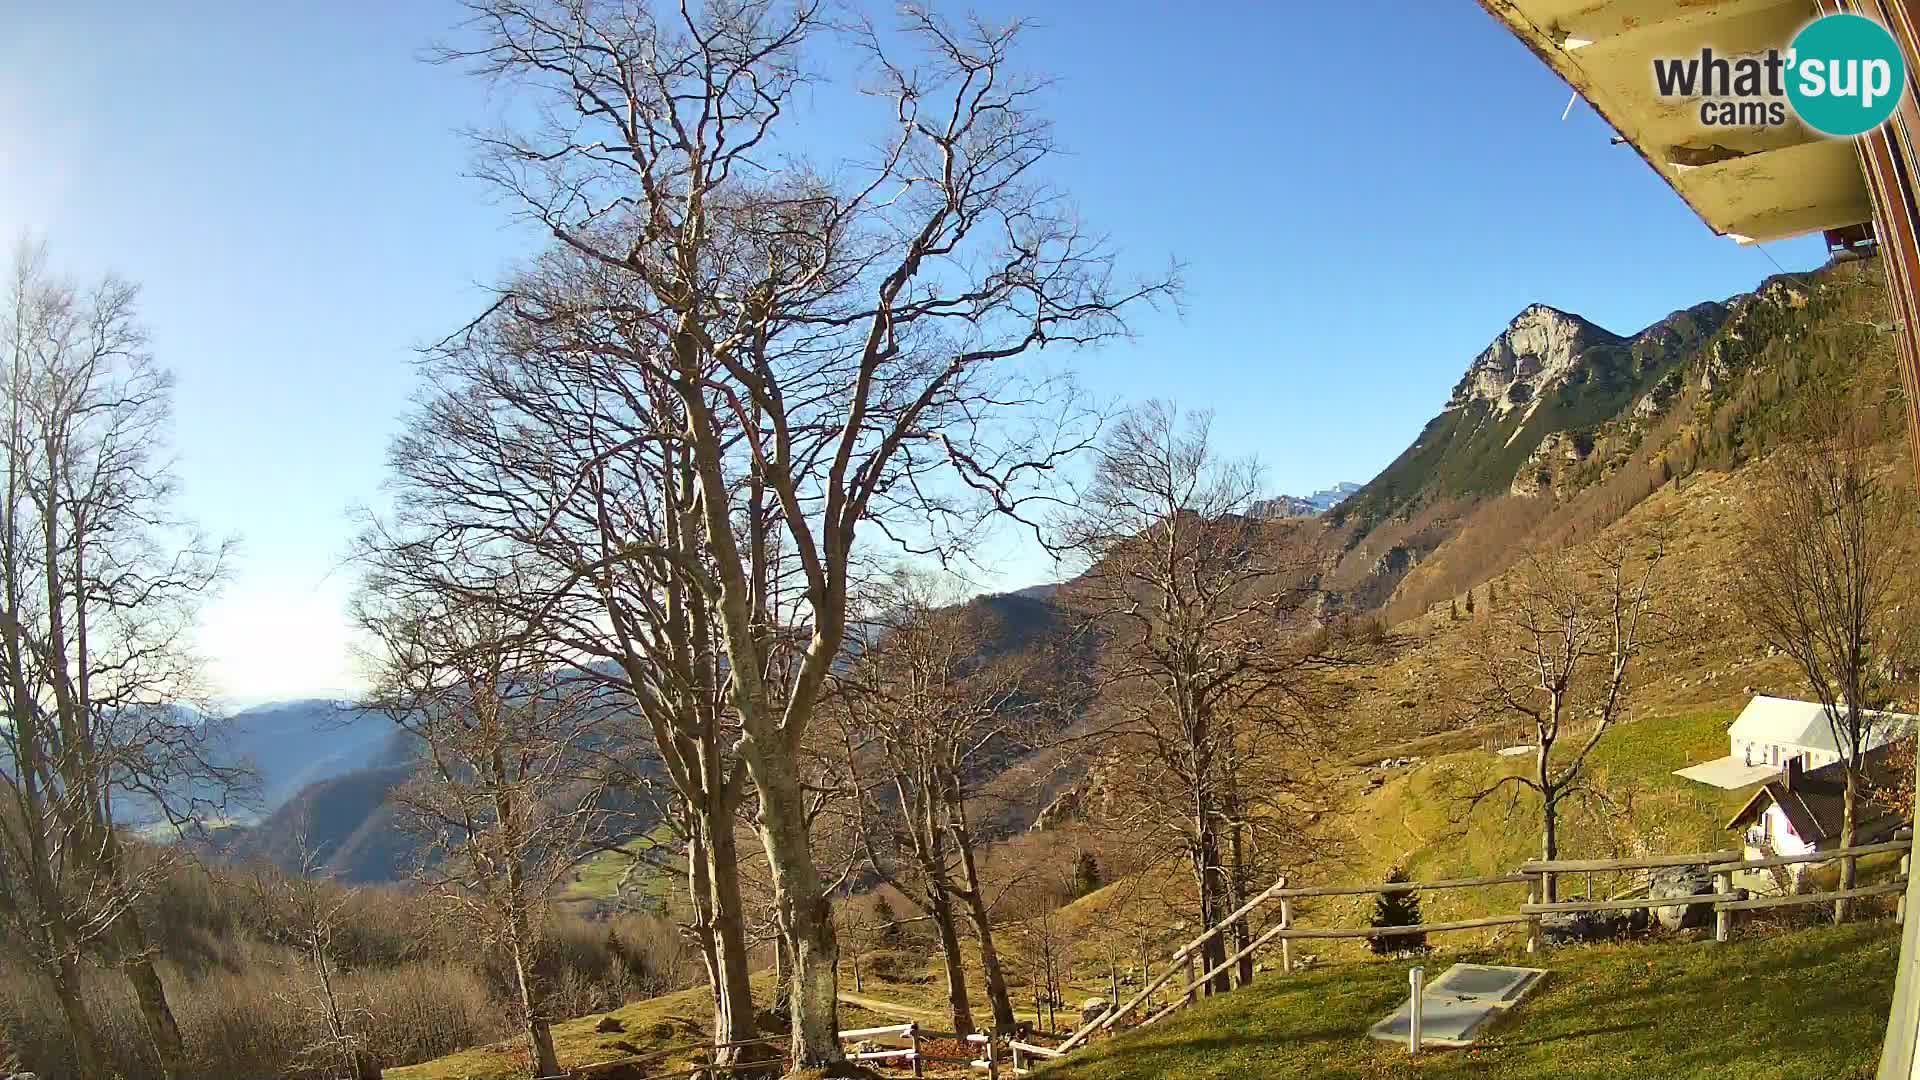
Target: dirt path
[[888, 1008]]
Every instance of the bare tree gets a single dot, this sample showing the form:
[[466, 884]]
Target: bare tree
[[1818, 575], [1213, 639], [925, 711], [98, 588], [532, 447], [305, 910], [1559, 654], [507, 795], [834, 341]]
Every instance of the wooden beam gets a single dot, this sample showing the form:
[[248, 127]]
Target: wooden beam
[[1821, 856], [1887, 889], [1573, 906], [1648, 862], [1405, 886]]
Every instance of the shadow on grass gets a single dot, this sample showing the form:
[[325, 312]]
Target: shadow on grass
[[1567, 1036]]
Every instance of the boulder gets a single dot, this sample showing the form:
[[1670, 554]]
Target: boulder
[[1579, 927], [609, 1024], [1093, 1008], [1670, 882]]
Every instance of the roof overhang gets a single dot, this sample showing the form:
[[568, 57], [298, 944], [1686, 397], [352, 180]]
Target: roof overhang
[[1750, 183]]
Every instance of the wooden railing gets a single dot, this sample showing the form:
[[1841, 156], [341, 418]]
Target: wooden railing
[[1724, 898], [909, 1053], [1539, 877]]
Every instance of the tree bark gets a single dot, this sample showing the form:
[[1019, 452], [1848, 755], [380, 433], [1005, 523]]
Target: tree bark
[[1207, 873], [1849, 823], [1549, 822], [73, 1008], [155, 1014], [700, 897], [1237, 887], [733, 994], [941, 910], [532, 1004], [999, 999], [806, 921]]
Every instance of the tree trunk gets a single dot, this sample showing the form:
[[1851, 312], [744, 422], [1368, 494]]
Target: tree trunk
[[1213, 953], [533, 1005], [941, 910], [1848, 824], [1550, 849], [86, 1040], [1549, 818], [806, 921], [733, 994], [155, 1015], [1237, 883], [998, 997], [700, 897]]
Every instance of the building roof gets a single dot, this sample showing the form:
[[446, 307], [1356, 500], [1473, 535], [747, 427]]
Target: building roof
[[1750, 183], [1816, 802], [1804, 724]]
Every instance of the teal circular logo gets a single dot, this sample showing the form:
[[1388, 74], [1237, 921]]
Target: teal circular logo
[[1846, 75]]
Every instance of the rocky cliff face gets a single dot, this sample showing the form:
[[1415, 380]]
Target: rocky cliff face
[[1536, 353]]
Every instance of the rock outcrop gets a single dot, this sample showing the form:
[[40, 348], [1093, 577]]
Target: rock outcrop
[[1536, 352]]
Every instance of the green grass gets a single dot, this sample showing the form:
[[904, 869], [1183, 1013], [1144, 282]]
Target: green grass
[[1806, 1005], [598, 878], [1424, 819], [674, 1026]]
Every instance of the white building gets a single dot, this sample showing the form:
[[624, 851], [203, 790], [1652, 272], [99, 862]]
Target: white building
[[1772, 731], [1798, 813]]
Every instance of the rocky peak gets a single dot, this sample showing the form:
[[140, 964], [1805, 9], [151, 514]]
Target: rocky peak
[[1535, 353]]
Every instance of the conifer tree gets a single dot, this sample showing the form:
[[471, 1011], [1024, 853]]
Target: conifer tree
[[1397, 909], [1086, 873]]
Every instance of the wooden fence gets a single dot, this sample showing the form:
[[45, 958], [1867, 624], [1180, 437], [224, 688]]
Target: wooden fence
[[910, 1054], [1725, 898], [1539, 877]]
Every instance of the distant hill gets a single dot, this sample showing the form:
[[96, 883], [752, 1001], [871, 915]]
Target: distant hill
[[346, 822], [291, 744]]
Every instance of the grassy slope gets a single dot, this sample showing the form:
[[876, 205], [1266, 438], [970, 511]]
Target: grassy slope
[[1422, 819], [1806, 1005], [670, 1026], [598, 878]]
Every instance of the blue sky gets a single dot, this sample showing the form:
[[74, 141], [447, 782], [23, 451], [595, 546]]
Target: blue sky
[[1363, 194]]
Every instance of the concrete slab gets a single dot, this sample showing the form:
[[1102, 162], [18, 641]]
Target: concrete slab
[[1457, 1007], [1727, 773]]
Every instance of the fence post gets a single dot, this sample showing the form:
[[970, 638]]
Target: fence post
[[1900, 906], [1722, 915], [1534, 893], [1286, 943], [1015, 1047], [1192, 990], [1416, 978], [913, 1036], [993, 1061]]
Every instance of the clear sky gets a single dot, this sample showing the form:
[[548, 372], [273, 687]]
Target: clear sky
[[1363, 193]]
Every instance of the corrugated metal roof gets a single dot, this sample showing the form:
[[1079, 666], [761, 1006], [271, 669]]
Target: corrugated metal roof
[[1751, 183]]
